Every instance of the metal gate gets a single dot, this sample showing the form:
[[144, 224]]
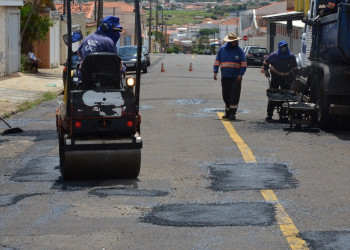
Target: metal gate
[[14, 51]]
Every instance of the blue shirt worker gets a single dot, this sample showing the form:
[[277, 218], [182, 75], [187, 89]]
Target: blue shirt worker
[[104, 39], [283, 66], [232, 62]]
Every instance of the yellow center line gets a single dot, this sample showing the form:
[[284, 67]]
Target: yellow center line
[[285, 223]]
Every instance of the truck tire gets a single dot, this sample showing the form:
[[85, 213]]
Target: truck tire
[[325, 120], [315, 87]]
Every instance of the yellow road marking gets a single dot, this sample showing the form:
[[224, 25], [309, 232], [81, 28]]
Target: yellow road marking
[[285, 223]]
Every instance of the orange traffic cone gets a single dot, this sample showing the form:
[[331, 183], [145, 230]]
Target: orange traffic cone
[[190, 69], [162, 68]]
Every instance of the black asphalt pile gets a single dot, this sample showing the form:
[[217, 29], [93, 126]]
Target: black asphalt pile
[[248, 176], [38, 170], [124, 191], [327, 239], [282, 95], [211, 215]]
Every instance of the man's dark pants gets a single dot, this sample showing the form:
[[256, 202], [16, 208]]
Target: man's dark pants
[[231, 92], [277, 82]]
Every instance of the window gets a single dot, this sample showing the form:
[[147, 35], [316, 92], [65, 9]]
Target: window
[[127, 41]]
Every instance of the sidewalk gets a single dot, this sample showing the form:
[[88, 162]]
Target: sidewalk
[[21, 87]]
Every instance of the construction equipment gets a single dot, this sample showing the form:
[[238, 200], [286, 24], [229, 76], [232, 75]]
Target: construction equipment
[[323, 63], [10, 130], [98, 122]]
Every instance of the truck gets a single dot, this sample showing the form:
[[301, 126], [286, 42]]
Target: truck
[[324, 63]]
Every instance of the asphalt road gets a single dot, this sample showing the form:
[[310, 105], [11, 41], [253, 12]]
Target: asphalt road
[[204, 183]]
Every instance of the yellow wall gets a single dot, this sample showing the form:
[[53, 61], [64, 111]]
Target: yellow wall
[[302, 5]]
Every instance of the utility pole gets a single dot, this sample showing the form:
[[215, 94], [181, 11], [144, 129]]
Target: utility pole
[[150, 27], [162, 42], [100, 12], [157, 21]]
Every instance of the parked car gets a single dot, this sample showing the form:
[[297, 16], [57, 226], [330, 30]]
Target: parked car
[[207, 52], [250, 46], [75, 62], [129, 56], [256, 55], [147, 55]]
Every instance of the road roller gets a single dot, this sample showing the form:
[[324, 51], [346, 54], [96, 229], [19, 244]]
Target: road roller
[[98, 120]]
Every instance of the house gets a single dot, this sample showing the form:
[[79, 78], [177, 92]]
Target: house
[[253, 25], [277, 29], [227, 26], [49, 50], [126, 14], [83, 16], [10, 47]]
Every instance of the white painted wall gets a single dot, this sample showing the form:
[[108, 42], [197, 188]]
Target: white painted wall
[[13, 41], [2, 41], [294, 42], [55, 45]]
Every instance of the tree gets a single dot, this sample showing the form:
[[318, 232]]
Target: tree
[[207, 31], [34, 26]]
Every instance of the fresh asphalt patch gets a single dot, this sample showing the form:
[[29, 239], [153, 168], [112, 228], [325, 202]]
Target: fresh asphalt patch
[[327, 240], [212, 215], [80, 185], [124, 191], [11, 199], [38, 170], [40, 135], [248, 176]]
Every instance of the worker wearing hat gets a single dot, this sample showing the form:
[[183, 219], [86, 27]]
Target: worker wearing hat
[[232, 62], [283, 65], [104, 39]]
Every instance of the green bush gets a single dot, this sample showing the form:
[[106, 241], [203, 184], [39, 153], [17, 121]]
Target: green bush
[[25, 64]]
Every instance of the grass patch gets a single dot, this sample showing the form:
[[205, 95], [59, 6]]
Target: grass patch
[[47, 96]]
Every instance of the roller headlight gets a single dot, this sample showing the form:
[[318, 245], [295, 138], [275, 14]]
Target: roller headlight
[[130, 82]]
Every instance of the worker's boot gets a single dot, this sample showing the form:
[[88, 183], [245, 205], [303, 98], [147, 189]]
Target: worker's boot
[[227, 114], [232, 115]]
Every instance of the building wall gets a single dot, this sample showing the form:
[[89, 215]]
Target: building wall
[[127, 21], [78, 22], [294, 41], [226, 29], [3, 38]]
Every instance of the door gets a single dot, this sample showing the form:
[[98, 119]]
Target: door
[[55, 45], [14, 51]]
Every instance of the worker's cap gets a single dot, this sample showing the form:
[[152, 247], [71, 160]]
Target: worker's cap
[[232, 37], [282, 43], [114, 22]]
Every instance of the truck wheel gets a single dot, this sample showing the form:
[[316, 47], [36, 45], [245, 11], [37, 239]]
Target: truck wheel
[[315, 87], [325, 120]]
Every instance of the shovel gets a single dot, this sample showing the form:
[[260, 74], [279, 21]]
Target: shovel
[[10, 130]]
